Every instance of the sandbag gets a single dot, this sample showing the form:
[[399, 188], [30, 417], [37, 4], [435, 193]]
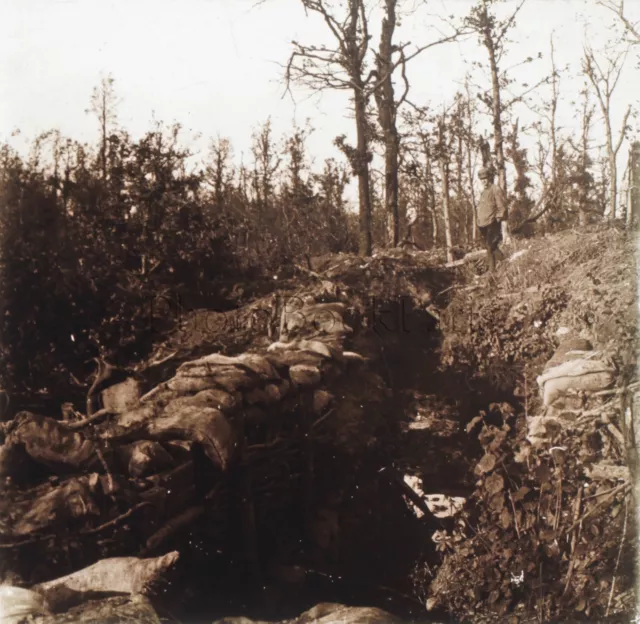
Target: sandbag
[[135, 417], [191, 385], [212, 397], [121, 397], [250, 361], [285, 359], [321, 401], [18, 604], [123, 609], [230, 378], [331, 613], [316, 347], [568, 349], [145, 457], [207, 426], [587, 375], [277, 392], [53, 508], [50, 443], [127, 575], [304, 375], [325, 318]]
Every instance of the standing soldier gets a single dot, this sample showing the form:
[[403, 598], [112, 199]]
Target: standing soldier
[[492, 210]]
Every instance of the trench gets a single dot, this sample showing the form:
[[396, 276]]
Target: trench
[[275, 573]]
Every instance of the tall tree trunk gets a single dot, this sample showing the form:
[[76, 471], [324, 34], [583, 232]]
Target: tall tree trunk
[[430, 194], [584, 162], [498, 140], [385, 100], [362, 156], [460, 198], [519, 165], [434, 224], [444, 171], [613, 174], [391, 187], [472, 192], [444, 174], [604, 83], [554, 107], [554, 140], [634, 184]]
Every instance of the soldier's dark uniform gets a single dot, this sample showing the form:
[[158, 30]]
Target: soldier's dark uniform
[[492, 210]]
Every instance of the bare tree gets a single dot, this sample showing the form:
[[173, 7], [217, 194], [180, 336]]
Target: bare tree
[[220, 172], [492, 35], [387, 111], [421, 149], [470, 120], [634, 184], [266, 165], [549, 168], [103, 105], [518, 156], [389, 58], [617, 7], [604, 79], [444, 154], [553, 114], [342, 67], [587, 115]]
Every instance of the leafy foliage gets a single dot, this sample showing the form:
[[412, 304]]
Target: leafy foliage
[[100, 243]]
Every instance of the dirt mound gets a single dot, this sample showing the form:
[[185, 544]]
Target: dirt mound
[[549, 534]]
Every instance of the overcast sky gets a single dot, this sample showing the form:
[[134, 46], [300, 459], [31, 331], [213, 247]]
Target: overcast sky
[[214, 65]]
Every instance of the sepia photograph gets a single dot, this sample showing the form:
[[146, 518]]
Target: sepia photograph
[[319, 311]]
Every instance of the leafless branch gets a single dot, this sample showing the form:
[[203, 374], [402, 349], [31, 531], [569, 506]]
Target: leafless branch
[[508, 24], [459, 32], [519, 98], [589, 67], [364, 43], [617, 7], [403, 73], [622, 134]]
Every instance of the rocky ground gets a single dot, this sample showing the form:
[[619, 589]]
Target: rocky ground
[[430, 441]]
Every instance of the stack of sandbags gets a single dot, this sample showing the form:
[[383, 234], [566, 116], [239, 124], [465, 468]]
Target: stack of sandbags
[[574, 373], [131, 476], [575, 369]]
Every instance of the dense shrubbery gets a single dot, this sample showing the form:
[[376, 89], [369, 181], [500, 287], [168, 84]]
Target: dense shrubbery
[[94, 240]]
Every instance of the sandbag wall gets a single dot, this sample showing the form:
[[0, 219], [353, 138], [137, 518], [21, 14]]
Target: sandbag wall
[[224, 436], [573, 381]]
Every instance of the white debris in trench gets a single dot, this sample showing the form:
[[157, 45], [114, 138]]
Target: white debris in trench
[[440, 505]]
